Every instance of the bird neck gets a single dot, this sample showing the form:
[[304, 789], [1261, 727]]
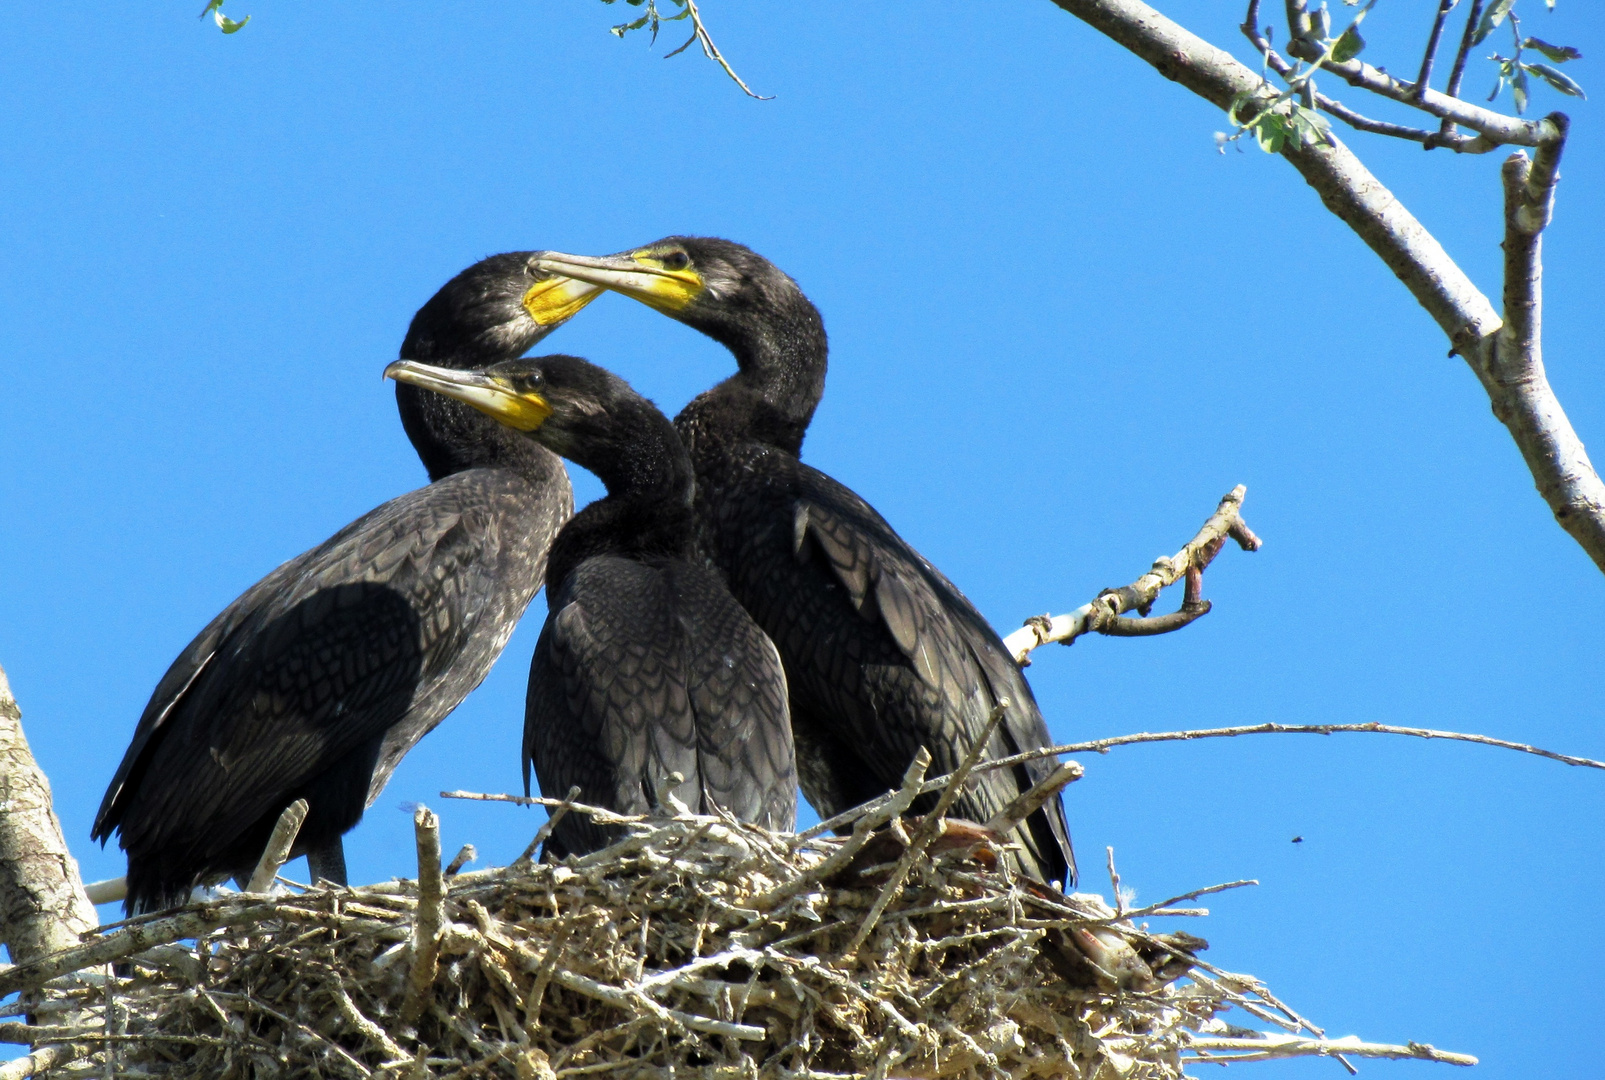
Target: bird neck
[[450, 436], [781, 361], [647, 510]]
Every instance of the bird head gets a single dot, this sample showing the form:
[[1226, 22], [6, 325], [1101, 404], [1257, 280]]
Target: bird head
[[499, 307], [722, 288], [569, 405]]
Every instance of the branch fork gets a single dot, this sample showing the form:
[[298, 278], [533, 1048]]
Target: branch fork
[[1105, 614]]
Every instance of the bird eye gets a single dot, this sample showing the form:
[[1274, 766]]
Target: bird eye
[[676, 260]]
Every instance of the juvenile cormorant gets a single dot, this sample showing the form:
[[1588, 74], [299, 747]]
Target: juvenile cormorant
[[316, 681], [646, 664], [882, 653]]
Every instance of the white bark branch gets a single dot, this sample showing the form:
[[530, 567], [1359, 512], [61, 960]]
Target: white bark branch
[[1270, 1046], [1514, 379], [1103, 614], [1496, 127], [43, 908], [1512, 363]]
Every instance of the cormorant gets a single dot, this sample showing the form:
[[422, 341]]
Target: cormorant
[[646, 665], [321, 676], [882, 653]]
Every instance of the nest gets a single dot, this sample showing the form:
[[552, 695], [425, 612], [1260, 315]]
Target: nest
[[695, 946]]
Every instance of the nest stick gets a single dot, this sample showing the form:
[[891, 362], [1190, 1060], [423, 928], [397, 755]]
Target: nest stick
[[928, 828], [278, 847], [1029, 802], [549, 826], [40, 1061], [426, 923], [885, 810]]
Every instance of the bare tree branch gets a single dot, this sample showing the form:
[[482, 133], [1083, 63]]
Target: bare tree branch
[[1459, 70], [1104, 614], [1516, 386], [1498, 128], [1425, 78], [1103, 746], [1445, 137], [43, 908]]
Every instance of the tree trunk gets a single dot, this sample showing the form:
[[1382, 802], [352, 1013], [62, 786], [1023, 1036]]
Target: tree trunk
[[43, 908]]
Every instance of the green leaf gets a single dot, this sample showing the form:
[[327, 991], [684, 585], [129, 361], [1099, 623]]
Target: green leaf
[[1492, 16], [1271, 132], [228, 25], [211, 6], [624, 28], [1554, 78], [1518, 89], [1349, 45], [1558, 53], [1311, 127]]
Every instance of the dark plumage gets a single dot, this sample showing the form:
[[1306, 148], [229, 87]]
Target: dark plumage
[[317, 680], [646, 666], [883, 654]]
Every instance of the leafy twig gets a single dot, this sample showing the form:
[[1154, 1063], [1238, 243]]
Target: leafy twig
[[652, 19]]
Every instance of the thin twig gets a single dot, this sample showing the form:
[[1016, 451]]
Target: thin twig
[[548, 826], [1457, 72], [1461, 144], [465, 855], [1422, 80], [278, 847], [1100, 746], [603, 817], [700, 35], [1114, 884]]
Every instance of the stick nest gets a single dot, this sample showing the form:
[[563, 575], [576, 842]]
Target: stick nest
[[695, 946]]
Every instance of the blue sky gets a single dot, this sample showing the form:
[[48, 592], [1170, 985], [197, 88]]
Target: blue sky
[[1062, 327]]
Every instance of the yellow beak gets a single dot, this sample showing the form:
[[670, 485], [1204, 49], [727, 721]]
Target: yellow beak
[[669, 291], [557, 299], [488, 394]]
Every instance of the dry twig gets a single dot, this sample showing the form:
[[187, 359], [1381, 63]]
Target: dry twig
[[1106, 613], [285, 830]]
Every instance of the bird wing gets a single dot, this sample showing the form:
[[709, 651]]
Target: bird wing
[[322, 656], [644, 669], [609, 701], [955, 652], [738, 693]]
